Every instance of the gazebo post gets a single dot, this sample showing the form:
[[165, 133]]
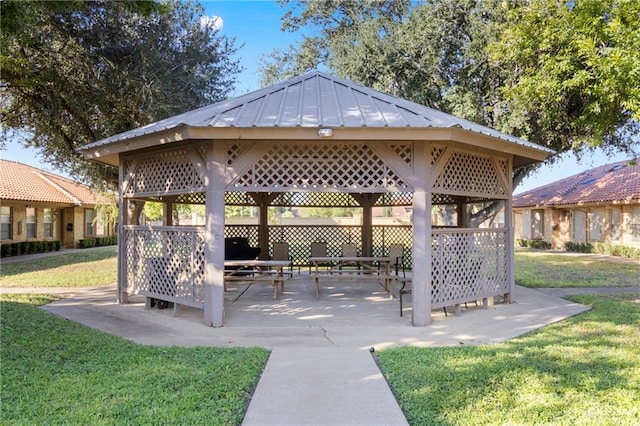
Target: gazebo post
[[123, 213], [214, 237], [367, 227], [422, 256], [263, 223]]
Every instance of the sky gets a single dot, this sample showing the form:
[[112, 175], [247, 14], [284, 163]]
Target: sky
[[256, 27]]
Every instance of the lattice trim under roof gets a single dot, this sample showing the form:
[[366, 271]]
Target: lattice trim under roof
[[325, 167], [470, 173], [169, 171]]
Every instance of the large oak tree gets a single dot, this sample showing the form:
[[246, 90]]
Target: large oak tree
[[74, 72]]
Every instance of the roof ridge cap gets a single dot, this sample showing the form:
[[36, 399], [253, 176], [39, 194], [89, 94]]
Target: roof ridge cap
[[76, 200]]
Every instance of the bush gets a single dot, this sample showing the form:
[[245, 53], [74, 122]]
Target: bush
[[537, 244], [87, 243], [28, 247], [604, 248]]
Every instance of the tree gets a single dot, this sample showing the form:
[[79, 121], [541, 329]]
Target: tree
[[565, 75], [76, 72], [574, 72]]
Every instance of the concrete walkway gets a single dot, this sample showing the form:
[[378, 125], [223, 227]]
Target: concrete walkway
[[320, 370]]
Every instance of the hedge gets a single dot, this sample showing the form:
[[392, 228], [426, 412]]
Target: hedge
[[604, 248], [98, 242], [29, 247], [537, 244]]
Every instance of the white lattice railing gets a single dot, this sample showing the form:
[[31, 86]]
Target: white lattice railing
[[468, 265], [165, 262]]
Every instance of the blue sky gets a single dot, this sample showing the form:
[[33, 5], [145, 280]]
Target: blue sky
[[256, 25]]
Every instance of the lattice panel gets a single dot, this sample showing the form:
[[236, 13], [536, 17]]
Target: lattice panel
[[250, 232], [472, 174], [468, 265], [162, 172], [436, 152], [301, 237], [315, 199], [404, 151], [238, 199], [385, 235], [395, 199], [336, 167], [191, 198], [166, 262], [236, 150]]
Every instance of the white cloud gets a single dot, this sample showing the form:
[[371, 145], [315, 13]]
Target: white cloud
[[213, 22]]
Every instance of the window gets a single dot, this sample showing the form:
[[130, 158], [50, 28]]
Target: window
[[47, 222], [88, 222], [594, 218], [615, 225], [31, 222], [635, 225], [537, 224], [5, 223], [579, 228]]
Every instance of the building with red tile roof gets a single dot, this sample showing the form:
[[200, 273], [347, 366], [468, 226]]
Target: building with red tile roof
[[597, 205], [38, 205]]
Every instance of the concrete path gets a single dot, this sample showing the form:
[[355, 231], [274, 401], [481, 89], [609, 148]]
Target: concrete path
[[323, 386]]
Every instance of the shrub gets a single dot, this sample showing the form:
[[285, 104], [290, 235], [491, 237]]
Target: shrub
[[537, 244], [604, 248], [57, 245], [87, 243], [5, 250]]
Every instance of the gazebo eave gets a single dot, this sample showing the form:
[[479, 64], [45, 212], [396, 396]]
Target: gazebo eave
[[522, 154]]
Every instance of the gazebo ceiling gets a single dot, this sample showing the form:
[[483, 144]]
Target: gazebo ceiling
[[295, 109]]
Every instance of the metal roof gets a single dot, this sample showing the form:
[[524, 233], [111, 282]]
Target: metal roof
[[314, 100]]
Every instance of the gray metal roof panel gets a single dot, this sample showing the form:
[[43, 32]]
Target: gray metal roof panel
[[314, 100]]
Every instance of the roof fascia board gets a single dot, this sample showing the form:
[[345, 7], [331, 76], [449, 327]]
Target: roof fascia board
[[109, 153]]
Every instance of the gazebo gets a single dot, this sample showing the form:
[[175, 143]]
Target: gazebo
[[293, 143]]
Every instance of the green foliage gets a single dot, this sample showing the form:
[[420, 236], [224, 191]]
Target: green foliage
[[604, 248], [28, 247], [76, 72], [60, 372], [580, 371], [97, 242], [537, 244], [574, 71]]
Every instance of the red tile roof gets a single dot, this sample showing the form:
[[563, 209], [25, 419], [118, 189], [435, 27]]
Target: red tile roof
[[20, 182], [617, 182]]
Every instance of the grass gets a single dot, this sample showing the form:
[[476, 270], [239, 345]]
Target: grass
[[85, 268], [537, 269], [55, 371], [585, 371]]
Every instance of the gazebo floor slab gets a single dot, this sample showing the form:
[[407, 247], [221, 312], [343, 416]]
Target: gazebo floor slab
[[349, 314]]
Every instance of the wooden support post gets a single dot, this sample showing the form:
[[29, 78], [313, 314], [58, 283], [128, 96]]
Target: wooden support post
[[214, 236]]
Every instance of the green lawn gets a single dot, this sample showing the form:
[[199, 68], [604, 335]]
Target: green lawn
[[55, 371], [548, 269], [86, 268], [583, 371]]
